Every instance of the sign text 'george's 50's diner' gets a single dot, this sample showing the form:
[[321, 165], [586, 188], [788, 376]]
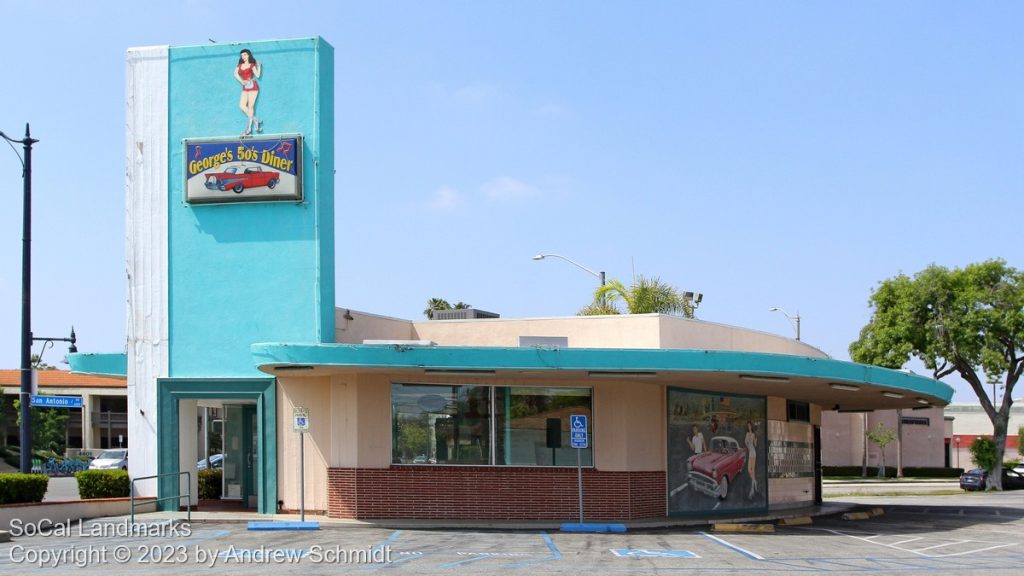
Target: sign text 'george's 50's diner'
[[243, 170]]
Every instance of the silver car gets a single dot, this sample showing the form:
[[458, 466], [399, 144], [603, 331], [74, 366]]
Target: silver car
[[116, 459]]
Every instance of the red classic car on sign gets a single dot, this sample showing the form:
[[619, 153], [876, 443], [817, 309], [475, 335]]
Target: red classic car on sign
[[713, 471], [250, 177]]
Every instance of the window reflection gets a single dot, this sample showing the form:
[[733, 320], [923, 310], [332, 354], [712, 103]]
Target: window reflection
[[445, 424]]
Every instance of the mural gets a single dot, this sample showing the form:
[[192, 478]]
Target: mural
[[716, 448]]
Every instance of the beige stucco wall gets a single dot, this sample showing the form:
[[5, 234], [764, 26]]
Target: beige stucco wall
[[629, 426], [631, 331], [361, 405], [352, 327], [683, 333], [314, 394], [640, 331]]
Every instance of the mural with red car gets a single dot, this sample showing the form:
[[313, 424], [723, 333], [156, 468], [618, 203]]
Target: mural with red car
[[716, 444]]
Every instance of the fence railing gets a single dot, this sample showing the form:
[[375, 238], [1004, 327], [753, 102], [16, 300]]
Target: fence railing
[[178, 497]]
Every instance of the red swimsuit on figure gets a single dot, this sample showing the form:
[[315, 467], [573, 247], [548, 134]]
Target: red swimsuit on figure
[[249, 83]]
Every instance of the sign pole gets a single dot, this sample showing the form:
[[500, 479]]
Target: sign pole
[[302, 477], [300, 423], [580, 441], [579, 479]]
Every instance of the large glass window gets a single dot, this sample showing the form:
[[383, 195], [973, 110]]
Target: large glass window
[[439, 424]]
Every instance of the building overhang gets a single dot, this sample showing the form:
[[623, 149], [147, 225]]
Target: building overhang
[[832, 384], [105, 364]]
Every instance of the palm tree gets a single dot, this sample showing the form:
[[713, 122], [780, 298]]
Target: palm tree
[[436, 304], [645, 296]]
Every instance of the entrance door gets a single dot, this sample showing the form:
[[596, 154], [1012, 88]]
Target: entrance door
[[241, 454]]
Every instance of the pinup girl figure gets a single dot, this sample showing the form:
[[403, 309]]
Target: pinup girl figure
[[751, 441], [247, 71]]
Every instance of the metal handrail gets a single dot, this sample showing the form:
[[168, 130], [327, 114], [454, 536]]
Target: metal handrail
[[188, 493]]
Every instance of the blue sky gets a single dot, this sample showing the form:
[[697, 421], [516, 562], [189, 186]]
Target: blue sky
[[766, 154]]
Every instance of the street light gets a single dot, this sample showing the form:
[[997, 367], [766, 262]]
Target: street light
[[795, 320], [599, 275], [26, 298]]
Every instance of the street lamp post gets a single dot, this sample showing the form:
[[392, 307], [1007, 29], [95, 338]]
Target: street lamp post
[[795, 320], [26, 301], [599, 275]]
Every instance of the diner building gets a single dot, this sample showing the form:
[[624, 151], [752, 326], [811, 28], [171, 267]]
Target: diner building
[[231, 305]]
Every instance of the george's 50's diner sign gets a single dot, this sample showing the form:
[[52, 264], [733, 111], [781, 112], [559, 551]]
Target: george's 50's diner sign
[[243, 170]]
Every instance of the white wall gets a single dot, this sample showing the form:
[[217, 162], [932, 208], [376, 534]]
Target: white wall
[[146, 251]]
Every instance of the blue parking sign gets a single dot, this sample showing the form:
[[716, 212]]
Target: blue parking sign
[[578, 430]]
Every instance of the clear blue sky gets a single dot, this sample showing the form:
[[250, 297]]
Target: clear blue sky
[[767, 154]]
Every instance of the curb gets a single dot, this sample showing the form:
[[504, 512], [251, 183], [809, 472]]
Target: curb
[[744, 528]]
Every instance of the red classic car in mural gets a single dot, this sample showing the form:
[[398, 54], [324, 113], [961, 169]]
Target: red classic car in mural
[[249, 177], [712, 472]]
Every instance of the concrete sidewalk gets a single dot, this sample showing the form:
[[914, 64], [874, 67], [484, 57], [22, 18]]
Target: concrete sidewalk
[[825, 509], [890, 486]]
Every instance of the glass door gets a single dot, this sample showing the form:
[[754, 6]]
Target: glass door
[[235, 460], [252, 455]]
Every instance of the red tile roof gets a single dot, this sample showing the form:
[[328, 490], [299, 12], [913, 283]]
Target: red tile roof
[[63, 379]]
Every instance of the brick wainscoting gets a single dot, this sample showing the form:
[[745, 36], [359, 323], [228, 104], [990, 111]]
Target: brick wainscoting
[[493, 493]]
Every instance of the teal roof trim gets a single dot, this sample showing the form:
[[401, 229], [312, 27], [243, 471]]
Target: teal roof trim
[[99, 364], [398, 357]]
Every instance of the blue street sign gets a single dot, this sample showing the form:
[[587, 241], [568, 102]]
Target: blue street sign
[[57, 401], [578, 431]]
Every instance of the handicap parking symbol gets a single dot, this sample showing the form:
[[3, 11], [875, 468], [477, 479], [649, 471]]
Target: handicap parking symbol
[[647, 553]]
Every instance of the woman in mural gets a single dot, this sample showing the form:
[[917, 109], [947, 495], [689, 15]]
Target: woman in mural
[[247, 71], [751, 441]]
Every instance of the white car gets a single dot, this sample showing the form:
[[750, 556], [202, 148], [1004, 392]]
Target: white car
[[110, 460]]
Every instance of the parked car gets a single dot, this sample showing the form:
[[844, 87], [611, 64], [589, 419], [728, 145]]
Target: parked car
[[712, 472], [116, 459], [250, 177], [976, 479], [216, 462]]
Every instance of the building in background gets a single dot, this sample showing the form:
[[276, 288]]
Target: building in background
[[102, 422], [924, 430], [969, 421]]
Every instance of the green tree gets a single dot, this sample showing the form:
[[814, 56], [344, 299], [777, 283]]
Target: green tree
[[644, 296], [1020, 437], [435, 304], [968, 322], [38, 364], [49, 427], [983, 452], [882, 437]]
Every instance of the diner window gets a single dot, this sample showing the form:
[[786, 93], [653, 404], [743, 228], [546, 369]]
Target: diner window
[[466, 424], [798, 411]]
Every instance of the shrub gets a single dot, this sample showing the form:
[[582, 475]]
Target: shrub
[[103, 484], [983, 452], [210, 484], [924, 472], [16, 487]]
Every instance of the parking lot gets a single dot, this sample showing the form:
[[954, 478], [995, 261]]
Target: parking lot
[[954, 534]]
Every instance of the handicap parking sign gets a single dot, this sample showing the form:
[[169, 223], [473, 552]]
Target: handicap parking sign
[[578, 430]]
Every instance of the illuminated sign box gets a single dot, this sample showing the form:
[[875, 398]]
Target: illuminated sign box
[[263, 169]]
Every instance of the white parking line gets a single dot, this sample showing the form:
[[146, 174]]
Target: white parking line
[[905, 541], [742, 551], [941, 545], [918, 551], [974, 551]]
